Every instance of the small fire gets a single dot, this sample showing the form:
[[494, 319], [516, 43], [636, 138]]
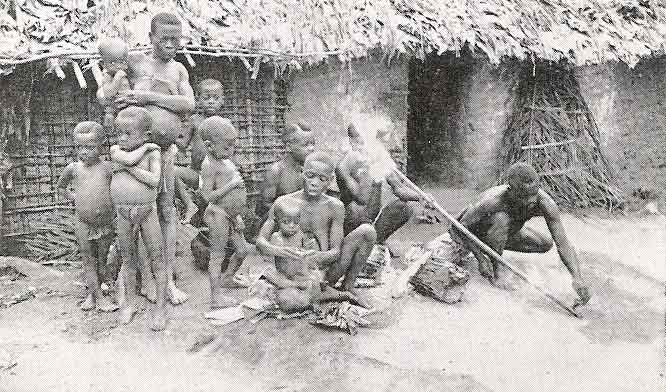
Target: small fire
[[367, 127]]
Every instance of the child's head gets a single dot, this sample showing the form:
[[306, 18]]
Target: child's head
[[165, 35], [88, 138], [210, 96], [288, 218], [133, 124], [299, 140], [219, 135], [114, 54]]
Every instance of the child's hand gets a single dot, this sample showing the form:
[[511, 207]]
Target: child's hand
[[240, 224], [120, 74], [151, 147]]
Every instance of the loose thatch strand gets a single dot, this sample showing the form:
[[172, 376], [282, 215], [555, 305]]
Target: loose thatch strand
[[306, 32]]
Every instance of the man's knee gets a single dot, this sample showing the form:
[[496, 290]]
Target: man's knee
[[367, 233]]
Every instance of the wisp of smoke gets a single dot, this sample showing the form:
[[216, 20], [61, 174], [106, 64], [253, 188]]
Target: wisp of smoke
[[380, 161]]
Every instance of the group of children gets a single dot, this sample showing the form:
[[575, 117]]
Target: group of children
[[162, 151]]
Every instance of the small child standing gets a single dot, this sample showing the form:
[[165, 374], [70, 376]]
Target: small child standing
[[191, 147], [134, 194], [91, 180], [114, 53], [224, 190]]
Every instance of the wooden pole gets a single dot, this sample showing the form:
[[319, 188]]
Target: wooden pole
[[488, 250]]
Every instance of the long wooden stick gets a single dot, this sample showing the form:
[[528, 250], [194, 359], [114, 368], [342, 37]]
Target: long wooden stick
[[488, 250]]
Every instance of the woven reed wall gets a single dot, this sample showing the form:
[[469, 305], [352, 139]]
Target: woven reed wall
[[255, 106]]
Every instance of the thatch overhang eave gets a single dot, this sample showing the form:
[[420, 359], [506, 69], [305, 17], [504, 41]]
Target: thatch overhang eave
[[305, 32]]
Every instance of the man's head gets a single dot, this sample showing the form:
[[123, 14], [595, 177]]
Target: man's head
[[288, 217], [523, 182], [88, 138], [299, 140], [114, 54], [133, 124], [210, 96], [318, 170], [165, 35], [219, 136]]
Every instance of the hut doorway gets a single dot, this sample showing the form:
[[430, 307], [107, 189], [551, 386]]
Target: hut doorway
[[435, 140]]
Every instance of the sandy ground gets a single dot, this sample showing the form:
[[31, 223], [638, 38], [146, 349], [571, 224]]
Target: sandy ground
[[494, 340]]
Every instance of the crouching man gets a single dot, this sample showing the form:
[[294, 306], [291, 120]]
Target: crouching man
[[498, 219]]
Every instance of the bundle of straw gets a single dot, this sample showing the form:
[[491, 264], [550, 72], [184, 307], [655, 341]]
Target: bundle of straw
[[52, 240]]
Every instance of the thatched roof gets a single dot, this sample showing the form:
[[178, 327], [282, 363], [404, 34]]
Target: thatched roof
[[308, 31]]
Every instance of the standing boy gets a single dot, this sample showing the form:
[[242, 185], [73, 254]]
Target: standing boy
[[134, 194], [192, 150], [162, 85], [224, 190], [91, 179]]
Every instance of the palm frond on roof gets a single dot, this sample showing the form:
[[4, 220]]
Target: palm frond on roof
[[308, 31]]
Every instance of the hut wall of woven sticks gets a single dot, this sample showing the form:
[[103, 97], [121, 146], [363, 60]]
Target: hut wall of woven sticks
[[284, 37], [40, 112]]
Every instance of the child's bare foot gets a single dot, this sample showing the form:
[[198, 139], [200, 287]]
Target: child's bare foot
[[88, 303], [127, 313], [176, 295], [158, 318], [149, 290], [222, 301], [228, 282], [105, 305]]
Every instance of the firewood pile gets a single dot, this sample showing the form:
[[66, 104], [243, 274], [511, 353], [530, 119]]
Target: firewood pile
[[553, 129], [53, 241]]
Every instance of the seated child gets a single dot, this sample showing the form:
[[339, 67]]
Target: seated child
[[299, 285], [114, 55], [91, 180], [134, 194], [224, 190]]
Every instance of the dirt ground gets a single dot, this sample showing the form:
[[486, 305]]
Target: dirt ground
[[494, 340]]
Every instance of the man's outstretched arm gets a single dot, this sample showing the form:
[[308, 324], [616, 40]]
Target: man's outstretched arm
[[565, 249]]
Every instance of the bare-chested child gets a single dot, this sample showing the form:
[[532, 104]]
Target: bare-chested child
[[322, 217], [161, 85], [114, 53], [224, 190], [191, 149], [284, 176], [299, 285], [134, 194], [91, 180]]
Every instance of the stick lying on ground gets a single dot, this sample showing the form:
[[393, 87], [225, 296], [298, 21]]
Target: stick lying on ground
[[488, 250]]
